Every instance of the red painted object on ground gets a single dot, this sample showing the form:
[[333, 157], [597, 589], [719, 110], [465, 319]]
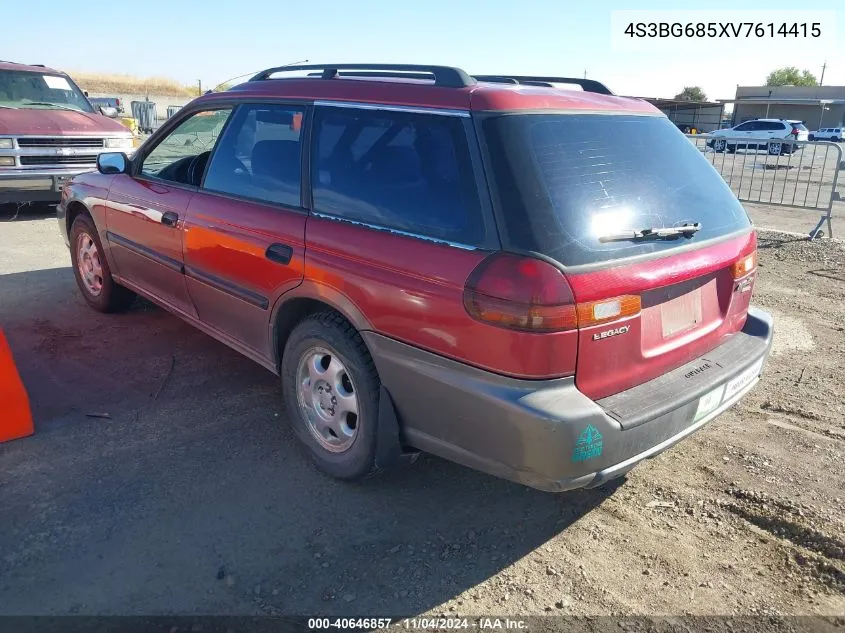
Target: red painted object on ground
[[15, 415]]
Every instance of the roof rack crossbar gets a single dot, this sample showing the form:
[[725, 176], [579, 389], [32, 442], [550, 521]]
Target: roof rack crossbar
[[6, 61], [379, 73], [588, 85], [445, 76]]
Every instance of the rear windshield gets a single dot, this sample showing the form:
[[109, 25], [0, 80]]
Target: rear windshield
[[565, 180], [799, 126]]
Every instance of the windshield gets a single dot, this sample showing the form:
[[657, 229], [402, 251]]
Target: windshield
[[564, 181], [20, 89]]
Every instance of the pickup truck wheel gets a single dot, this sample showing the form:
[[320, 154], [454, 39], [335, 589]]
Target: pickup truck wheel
[[92, 272], [331, 391]]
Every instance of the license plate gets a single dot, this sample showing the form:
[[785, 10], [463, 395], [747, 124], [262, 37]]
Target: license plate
[[681, 313], [743, 380]]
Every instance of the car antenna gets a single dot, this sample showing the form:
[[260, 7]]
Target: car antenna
[[301, 61]]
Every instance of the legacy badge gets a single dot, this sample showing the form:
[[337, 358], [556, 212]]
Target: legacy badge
[[614, 332]]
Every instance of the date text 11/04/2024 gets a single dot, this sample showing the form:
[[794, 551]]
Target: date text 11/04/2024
[[723, 29], [421, 623]]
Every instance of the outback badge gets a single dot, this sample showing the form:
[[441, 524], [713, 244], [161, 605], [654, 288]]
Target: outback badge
[[614, 332]]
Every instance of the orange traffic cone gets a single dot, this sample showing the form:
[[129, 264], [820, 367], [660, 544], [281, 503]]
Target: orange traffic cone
[[15, 416]]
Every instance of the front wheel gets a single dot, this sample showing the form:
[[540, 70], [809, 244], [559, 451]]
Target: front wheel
[[331, 391], [719, 145], [91, 269]]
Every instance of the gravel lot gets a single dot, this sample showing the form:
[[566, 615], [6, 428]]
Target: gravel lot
[[193, 498]]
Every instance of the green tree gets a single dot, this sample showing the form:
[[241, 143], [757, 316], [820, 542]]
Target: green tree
[[691, 93], [791, 76]]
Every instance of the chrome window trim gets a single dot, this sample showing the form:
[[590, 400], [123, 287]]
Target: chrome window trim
[[378, 227], [392, 108]]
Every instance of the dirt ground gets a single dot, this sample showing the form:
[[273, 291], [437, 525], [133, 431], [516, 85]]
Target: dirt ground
[[193, 498]]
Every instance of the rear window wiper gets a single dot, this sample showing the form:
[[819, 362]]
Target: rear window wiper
[[686, 230]]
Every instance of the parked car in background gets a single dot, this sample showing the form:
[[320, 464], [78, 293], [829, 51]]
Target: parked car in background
[[434, 261], [777, 136], [109, 103], [834, 134], [49, 132]]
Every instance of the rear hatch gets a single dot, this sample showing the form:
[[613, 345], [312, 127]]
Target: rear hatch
[[571, 186], [799, 131]]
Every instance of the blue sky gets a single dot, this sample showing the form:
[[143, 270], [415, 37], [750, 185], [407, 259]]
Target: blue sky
[[215, 40]]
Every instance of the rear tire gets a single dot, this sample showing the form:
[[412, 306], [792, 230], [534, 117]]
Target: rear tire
[[331, 391], [91, 269]]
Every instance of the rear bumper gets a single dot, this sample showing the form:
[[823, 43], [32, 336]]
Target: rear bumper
[[547, 434], [36, 186]]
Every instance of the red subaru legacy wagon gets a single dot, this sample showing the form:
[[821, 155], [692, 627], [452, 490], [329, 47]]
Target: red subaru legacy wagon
[[546, 284]]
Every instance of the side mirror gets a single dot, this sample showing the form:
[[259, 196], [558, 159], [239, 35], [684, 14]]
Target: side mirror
[[108, 111], [112, 163]]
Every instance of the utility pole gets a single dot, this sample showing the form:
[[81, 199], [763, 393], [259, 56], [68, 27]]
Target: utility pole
[[585, 73], [821, 81], [199, 87]]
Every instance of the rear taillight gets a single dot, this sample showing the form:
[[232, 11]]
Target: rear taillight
[[524, 293], [747, 262], [520, 293]]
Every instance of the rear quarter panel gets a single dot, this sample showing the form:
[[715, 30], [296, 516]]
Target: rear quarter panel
[[412, 290]]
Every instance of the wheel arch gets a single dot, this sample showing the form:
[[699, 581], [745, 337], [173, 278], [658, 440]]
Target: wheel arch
[[74, 209], [306, 299]]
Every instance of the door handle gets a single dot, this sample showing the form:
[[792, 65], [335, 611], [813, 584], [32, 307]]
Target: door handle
[[168, 218], [279, 253]]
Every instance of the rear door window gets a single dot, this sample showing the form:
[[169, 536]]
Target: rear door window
[[564, 181], [406, 171], [259, 155], [772, 126]]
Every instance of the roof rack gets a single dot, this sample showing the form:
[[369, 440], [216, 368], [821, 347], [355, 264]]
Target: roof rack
[[378, 73], [445, 76], [588, 85]]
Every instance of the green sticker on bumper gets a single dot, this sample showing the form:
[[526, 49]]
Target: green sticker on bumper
[[589, 445]]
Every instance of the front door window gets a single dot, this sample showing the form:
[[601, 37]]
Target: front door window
[[182, 155]]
